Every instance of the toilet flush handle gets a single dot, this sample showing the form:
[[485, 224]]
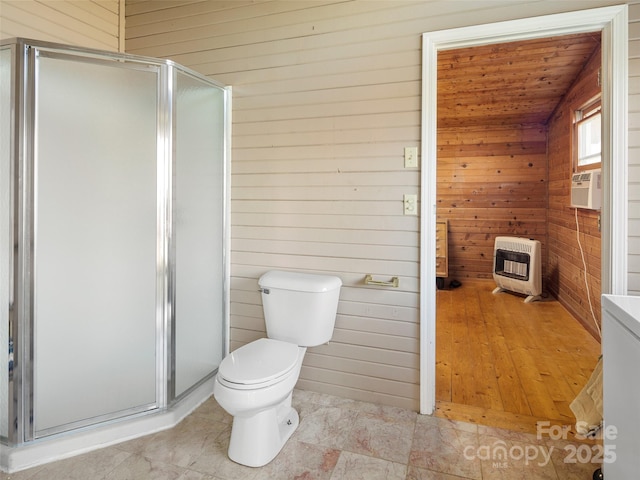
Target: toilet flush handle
[[264, 290]]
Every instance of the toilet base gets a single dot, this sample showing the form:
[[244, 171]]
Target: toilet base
[[257, 439]]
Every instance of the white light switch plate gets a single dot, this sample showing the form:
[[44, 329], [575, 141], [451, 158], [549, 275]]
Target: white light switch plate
[[410, 157]]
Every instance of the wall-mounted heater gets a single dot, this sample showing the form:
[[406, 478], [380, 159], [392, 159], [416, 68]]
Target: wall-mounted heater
[[586, 189], [517, 266]]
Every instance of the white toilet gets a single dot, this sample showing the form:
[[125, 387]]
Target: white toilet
[[256, 381]]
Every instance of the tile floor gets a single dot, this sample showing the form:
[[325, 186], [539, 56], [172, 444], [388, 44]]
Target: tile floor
[[338, 439]]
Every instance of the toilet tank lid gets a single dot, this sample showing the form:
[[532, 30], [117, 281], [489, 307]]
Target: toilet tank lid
[[299, 282]]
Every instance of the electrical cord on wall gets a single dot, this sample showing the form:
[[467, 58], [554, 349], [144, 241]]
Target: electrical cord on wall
[[586, 283]]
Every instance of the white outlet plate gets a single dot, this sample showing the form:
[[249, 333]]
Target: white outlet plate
[[410, 204]]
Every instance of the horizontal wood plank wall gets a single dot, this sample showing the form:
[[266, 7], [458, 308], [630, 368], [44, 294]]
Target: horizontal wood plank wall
[[634, 148], [322, 113], [491, 181], [89, 23], [326, 96], [566, 275]]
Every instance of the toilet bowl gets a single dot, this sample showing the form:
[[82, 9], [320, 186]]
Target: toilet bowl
[[263, 417], [255, 382]]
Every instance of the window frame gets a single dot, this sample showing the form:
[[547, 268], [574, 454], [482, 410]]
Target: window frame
[[581, 115]]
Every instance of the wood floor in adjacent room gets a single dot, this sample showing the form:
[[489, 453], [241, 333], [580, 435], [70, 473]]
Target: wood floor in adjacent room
[[504, 363]]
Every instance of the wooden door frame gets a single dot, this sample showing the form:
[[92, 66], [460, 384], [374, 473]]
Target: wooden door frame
[[613, 22]]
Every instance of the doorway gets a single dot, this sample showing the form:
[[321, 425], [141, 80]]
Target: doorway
[[612, 21], [504, 161]]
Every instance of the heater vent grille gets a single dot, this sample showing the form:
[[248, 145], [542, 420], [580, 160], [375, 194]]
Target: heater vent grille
[[517, 266]]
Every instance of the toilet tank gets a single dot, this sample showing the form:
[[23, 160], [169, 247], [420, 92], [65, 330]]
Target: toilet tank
[[300, 308]]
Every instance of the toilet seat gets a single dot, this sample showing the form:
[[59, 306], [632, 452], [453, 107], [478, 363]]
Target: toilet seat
[[258, 364]]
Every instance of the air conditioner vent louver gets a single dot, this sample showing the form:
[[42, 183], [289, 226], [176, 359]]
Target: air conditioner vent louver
[[586, 189], [517, 266]]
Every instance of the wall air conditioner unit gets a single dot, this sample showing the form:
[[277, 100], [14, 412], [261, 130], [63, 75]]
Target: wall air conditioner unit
[[586, 189], [517, 266]]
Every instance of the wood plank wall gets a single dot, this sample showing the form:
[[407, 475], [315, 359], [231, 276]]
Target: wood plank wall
[[90, 23], [322, 113], [506, 181], [326, 96], [491, 181], [320, 87], [566, 275]]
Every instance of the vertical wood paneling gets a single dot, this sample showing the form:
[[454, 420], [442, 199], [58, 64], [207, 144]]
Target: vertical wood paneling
[[566, 274], [326, 96], [88, 23]]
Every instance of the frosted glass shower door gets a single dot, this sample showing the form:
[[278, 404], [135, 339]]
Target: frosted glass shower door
[[199, 229], [95, 241]]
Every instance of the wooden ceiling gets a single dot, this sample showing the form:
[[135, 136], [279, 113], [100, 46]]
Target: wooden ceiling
[[509, 83]]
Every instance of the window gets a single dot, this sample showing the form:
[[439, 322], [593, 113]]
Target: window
[[587, 135]]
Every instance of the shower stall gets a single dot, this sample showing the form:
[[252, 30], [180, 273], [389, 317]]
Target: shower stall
[[113, 246]]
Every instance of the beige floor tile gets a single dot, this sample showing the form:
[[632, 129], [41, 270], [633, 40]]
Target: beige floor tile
[[214, 460], [337, 439], [416, 473], [386, 413], [137, 467], [576, 461], [180, 445], [324, 425], [212, 411], [22, 475], [509, 435], [438, 447], [299, 460], [191, 475], [381, 436], [427, 420], [352, 466], [513, 455]]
